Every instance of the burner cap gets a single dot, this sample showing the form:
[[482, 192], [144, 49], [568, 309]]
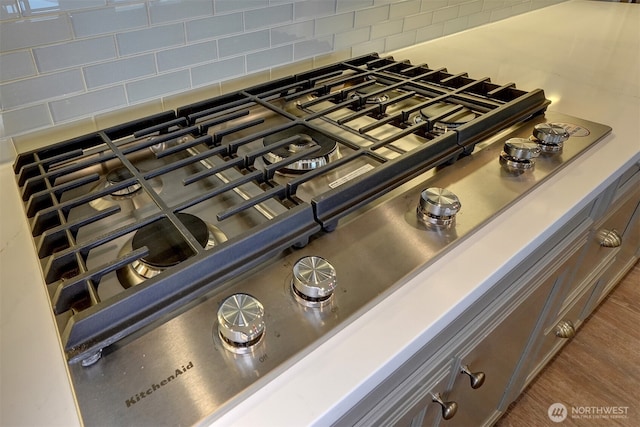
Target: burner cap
[[166, 245], [118, 175], [367, 90], [306, 138], [453, 120]]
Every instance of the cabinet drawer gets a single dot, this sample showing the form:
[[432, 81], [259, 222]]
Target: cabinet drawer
[[626, 257], [492, 357], [606, 238]]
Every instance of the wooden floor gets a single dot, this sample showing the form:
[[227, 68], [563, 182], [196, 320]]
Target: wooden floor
[[598, 368]]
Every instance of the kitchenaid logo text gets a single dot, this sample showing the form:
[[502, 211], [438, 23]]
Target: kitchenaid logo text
[[157, 386]]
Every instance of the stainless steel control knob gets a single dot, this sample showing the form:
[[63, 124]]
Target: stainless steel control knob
[[314, 280], [438, 206], [521, 149], [549, 133], [240, 322]]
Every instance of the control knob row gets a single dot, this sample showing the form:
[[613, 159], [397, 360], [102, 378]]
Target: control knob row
[[241, 323], [518, 154]]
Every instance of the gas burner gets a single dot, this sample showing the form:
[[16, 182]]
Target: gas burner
[[447, 123], [365, 92], [301, 138], [116, 176], [166, 247], [132, 193], [518, 155]]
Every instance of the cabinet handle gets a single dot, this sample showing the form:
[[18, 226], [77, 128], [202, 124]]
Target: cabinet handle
[[609, 238], [449, 409], [476, 378], [565, 329]]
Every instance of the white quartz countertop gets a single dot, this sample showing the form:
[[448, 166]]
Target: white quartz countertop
[[586, 57]]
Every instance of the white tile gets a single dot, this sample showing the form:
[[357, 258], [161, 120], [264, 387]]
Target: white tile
[[87, 104], [216, 71], [335, 24], [400, 40], [480, 18], [34, 32], [73, 54], [456, 25], [351, 38], [386, 29], [345, 5], [184, 56], [26, 119], [216, 26], [431, 32], [8, 151], [154, 87], [404, 8], [305, 49], [176, 10], [418, 21], [16, 65], [242, 43], [267, 17], [445, 14], [223, 6], [368, 47], [269, 58], [521, 8], [470, 8], [37, 7], [109, 20], [293, 32], [150, 39], [39, 88], [314, 8], [499, 14], [492, 4], [119, 71], [371, 16], [428, 5]]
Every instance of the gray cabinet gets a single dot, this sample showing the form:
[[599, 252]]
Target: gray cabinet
[[610, 250], [482, 361]]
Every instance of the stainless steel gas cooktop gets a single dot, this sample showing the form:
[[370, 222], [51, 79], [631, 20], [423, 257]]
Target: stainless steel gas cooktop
[[192, 255]]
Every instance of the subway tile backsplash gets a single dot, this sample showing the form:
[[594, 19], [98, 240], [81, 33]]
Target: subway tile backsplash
[[67, 61]]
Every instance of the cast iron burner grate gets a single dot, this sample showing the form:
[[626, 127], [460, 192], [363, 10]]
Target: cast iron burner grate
[[209, 157]]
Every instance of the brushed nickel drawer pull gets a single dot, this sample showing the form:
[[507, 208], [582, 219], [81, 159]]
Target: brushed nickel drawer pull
[[476, 378], [609, 238]]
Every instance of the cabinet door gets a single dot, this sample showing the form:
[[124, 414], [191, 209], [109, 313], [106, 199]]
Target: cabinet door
[[560, 331], [427, 410], [491, 358], [410, 403], [627, 255]]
